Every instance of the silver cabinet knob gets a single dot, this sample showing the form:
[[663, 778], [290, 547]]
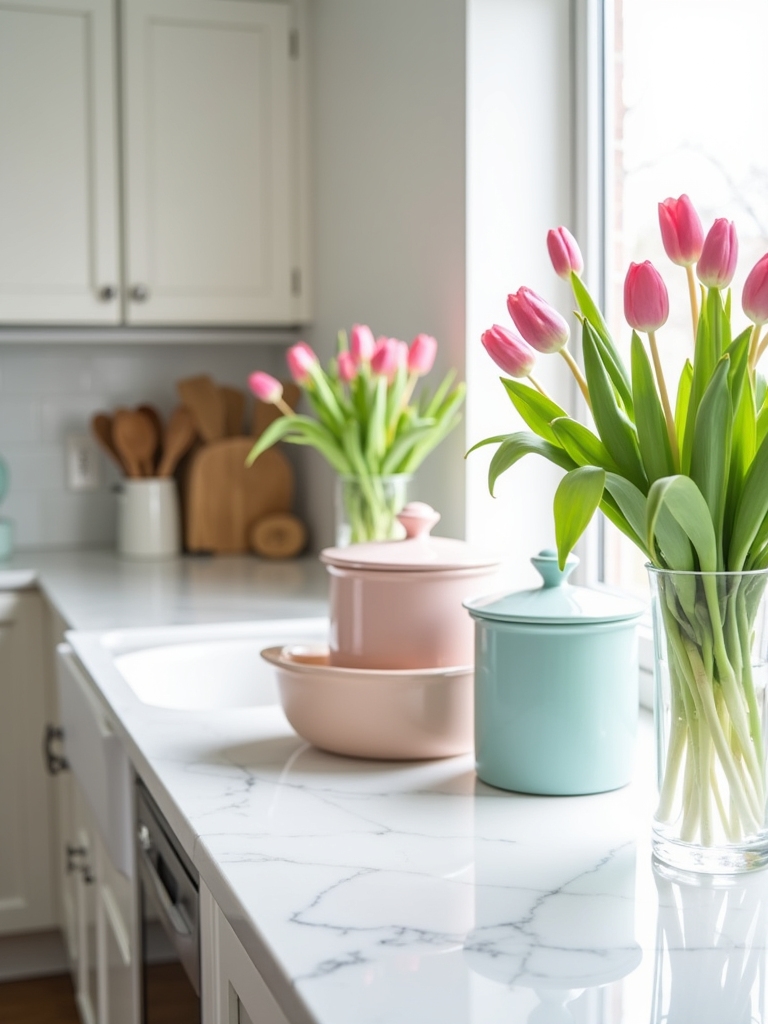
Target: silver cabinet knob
[[139, 293], [107, 292]]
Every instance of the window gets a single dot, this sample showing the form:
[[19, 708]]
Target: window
[[687, 114]]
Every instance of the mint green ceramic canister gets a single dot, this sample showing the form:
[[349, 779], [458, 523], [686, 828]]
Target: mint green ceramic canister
[[556, 686]]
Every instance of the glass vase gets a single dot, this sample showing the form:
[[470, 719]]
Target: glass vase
[[367, 508], [710, 712]]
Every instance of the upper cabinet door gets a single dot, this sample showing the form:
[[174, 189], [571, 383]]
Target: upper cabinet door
[[58, 162], [207, 144]]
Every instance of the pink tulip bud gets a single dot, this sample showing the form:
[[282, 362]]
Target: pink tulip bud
[[646, 302], [301, 362], [540, 324], [717, 263], [421, 355], [509, 351], [754, 298], [389, 356], [681, 230], [347, 366], [564, 252], [361, 343], [265, 387]]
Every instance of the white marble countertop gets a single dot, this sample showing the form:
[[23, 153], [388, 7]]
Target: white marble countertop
[[99, 590], [386, 893], [374, 893]]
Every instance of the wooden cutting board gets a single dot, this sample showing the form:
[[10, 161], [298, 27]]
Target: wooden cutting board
[[224, 499]]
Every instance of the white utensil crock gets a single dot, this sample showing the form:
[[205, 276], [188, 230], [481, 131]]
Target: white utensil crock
[[148, 520]]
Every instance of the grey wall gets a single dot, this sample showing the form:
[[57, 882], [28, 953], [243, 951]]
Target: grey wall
[[387, 94]]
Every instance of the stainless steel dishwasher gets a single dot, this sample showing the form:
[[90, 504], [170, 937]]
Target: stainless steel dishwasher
[[170, 920]]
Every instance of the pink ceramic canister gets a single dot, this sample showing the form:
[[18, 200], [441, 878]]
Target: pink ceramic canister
[[398, 604]]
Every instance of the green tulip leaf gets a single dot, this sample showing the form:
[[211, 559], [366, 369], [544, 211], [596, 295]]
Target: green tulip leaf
[[617, 432], [606, 348], [652, 435], [680, 495], [536, 409], [516, 446], [683, 398], [673, 544], [751, 510], [711, 452], [304, 431], [581, 444], [576, 500]]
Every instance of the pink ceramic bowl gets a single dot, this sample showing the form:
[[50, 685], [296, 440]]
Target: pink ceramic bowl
[[400, 715]]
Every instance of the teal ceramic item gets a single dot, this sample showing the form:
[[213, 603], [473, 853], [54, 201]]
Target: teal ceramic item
[[556, 686]]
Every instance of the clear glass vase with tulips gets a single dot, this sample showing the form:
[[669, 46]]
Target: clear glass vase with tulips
[[373, 423], [687, 483]]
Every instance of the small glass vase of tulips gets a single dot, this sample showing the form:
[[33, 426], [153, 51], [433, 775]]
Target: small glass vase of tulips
[[685, 477], [373, 423]]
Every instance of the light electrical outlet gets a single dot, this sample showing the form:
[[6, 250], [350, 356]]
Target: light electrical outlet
[[83, 465]]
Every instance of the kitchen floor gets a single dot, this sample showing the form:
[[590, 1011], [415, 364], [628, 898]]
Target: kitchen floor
[[38, 1001]]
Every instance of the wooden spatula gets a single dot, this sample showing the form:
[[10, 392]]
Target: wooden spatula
[[205, 402], [178, 436], [101, 425], [135, 438], [234, 410], [157, 422]]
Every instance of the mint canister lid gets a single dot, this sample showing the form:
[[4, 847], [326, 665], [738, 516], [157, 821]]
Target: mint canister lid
[[556, 601]]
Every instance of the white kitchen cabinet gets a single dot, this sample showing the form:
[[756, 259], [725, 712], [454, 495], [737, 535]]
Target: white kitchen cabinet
[[210, 115], [207, 151], [234, 992], [26, 880], [58, 162]]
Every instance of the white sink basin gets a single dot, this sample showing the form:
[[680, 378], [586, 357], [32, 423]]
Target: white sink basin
[[201, 676], [196, 668]]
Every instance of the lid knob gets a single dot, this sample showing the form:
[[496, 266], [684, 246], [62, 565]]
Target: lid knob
[[546, 565], [417, 519]]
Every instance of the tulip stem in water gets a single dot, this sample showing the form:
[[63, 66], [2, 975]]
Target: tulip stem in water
[[580, 380], [668, 415], [694, 300]]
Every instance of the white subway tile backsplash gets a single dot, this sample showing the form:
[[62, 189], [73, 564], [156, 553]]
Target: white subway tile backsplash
[[50, 391], [19, 420]]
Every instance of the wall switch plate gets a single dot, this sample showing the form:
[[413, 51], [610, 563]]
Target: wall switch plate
[[83, 466]]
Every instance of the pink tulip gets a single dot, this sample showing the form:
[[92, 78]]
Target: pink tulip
[[509, 351], [646, 302], [361, 343], [540, 324], [301, 362], [347, 366], [265, 387], [717, 263], [564, 252], [389, 356], [681, 231], [421, 355], [754, 298]]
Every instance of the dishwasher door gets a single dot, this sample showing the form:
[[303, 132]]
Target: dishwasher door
[[170, 920]]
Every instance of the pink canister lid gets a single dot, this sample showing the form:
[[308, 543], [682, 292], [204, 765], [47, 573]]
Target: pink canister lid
[[417, 552]]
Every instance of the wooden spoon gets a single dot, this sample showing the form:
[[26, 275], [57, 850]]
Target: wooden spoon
[[179, 435], [135, 438], [204, 401], [101, 425], [157, 422]]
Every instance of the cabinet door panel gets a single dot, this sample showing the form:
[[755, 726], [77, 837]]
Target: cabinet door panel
[[26, 877], [207, 155], [58, 167]]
